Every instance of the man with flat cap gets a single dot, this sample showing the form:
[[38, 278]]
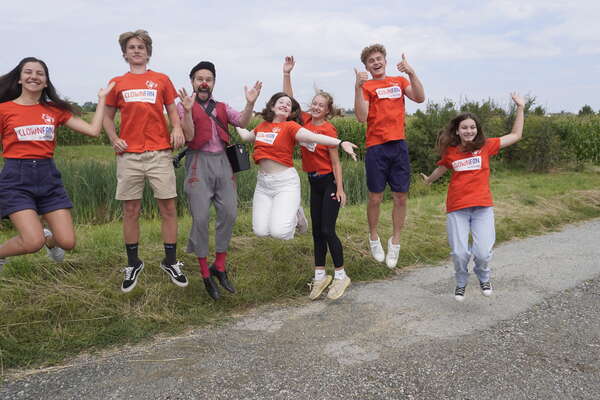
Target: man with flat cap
[[209, 178]]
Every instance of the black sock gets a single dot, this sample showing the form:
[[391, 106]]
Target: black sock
[[170, 256], [132, 254]]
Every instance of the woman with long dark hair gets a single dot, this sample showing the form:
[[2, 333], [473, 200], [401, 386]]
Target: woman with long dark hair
[[30, 185], [466, 152]]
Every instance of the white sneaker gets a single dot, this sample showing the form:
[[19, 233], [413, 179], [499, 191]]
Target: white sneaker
[[56, 253], [392, 255], [337, 288], [302, 222], [317, 287], [377, 250]]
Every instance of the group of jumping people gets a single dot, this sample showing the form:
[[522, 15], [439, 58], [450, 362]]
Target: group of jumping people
[[31, 186]]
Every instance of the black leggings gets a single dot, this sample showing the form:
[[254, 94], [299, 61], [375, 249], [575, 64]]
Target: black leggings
[[324, 210]]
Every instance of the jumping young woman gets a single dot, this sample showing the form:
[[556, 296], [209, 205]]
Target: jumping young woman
[[30, 185], [322, 164], [466, 152]]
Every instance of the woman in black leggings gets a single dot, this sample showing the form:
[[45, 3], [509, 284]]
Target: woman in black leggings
[[326, 190]]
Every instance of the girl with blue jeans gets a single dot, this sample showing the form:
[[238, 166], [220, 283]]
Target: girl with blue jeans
[[466, 152]]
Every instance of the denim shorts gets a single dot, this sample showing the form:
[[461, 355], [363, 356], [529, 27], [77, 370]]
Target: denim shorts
[[388, 163], [31, 184]]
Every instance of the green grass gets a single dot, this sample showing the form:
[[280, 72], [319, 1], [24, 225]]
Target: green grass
[[52, 311]]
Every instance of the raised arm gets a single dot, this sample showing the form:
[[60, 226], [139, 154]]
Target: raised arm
[[288, 66], [415, 91], [435, 175], [361, 106], [92, 129], [306, 136], [517, 129], [187, 123], [251, 96]]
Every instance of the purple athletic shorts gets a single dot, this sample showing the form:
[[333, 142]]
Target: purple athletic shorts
[[31, 184], [388, 163]]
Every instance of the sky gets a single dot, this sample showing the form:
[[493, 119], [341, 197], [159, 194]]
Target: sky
[[461, 50]]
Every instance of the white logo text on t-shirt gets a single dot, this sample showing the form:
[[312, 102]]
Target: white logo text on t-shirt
[[309, 146], [392, 92], [467, 164], [266, 137], [35, 132], [140, 95]]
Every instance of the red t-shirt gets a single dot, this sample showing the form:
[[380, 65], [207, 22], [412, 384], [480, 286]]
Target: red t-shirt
[[141, 99], [30, 131], [470, 180], [315, 157], [276, 141], [385, 121]]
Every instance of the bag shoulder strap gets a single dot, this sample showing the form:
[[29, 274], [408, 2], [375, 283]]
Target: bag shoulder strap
[[208, 110]]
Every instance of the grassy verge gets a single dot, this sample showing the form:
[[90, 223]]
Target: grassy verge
[[52, 311]]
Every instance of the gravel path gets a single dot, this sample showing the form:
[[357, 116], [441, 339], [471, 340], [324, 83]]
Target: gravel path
[[537, 337]]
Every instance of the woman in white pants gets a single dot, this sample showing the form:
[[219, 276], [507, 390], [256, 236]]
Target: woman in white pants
[[277, 194]]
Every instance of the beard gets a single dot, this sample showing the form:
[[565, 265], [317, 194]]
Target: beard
[[205, 92]]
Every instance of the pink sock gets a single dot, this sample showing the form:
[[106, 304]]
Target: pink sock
[[203, 267], [220, 260]]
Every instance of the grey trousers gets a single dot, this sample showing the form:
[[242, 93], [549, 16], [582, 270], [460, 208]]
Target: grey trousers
[[479, 222], [209, 180]]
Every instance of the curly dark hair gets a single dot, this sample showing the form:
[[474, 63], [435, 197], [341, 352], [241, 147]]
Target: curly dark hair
[[449, 137], [10, 88], [268, 114]]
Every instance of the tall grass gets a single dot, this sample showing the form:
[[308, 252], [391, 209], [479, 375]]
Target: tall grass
[[51, 311]]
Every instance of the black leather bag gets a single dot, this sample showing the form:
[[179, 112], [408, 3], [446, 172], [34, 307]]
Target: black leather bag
[[238, 157]]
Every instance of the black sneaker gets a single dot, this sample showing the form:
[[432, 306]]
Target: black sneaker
[[486, 288], [174, 272], [459, 293], [131, 276]]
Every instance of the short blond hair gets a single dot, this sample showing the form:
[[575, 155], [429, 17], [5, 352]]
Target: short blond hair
[[374, 48], [139, 34]]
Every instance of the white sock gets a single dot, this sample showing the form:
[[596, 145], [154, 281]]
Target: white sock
[[340, 273], [319, 274]]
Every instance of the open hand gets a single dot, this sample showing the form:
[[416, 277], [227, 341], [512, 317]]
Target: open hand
[[187, 101], [288, 64], [253, 93], [519, 101], [349, 147]]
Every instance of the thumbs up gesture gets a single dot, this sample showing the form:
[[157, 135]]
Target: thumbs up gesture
[[403, 66], [361, 77]]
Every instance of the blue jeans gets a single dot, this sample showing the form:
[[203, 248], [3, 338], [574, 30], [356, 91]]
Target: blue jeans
[[479, 222]]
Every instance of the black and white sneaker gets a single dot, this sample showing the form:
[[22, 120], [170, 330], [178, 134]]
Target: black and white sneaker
[[131, 276], [486, 288], [174, 272], [459, 293]]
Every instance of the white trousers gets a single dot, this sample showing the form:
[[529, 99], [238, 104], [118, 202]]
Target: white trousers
[[479, 222], [275, 204]]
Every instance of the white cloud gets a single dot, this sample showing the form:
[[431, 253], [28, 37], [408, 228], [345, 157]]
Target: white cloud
[[454, 46]]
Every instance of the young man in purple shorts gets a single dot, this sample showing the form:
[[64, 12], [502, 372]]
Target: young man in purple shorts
[[380, 103]]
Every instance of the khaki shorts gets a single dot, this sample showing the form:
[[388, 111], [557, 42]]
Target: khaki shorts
[[133, 168]]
